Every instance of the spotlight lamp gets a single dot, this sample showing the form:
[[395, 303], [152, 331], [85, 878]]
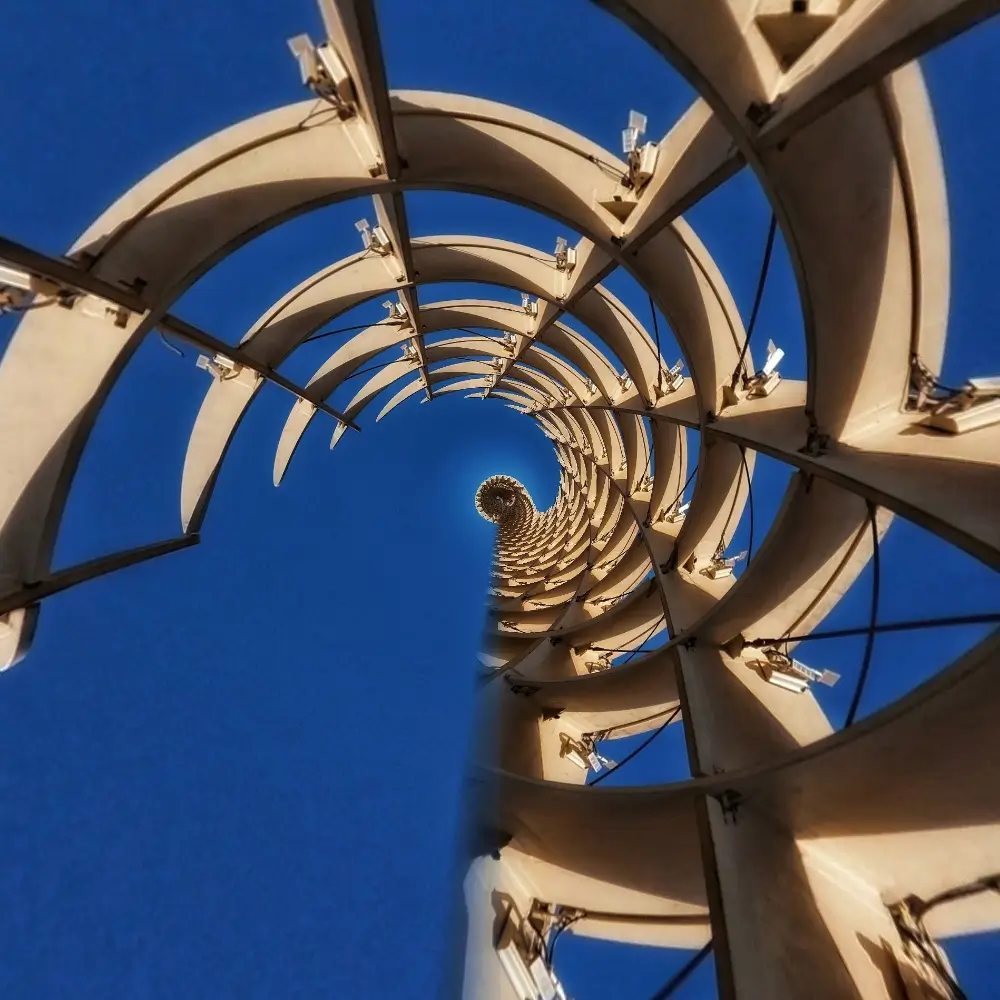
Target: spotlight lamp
[[641, 158], [324, 72]]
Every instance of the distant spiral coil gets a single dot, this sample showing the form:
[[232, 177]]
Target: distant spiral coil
[[505, 501]]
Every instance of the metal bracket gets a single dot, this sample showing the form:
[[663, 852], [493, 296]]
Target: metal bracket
[[730, 801], [817, 443], [527, 690], [759, 113], [671, 564]]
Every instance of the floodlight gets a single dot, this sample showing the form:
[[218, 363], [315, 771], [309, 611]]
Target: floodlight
[[543, 979], [363, 226], [645, 164], [515, 968], [989, 386], [220, 366], [794, 684], [764, 381], [774, 356], [335, 72], [674, 377], [641, 160], [565, 255], [678, 514], [785, 672], [322, 69], [98, 308], [719, 568], [380, 240], [764, 385], [974, 407], [826, 677], [302, 48], [12, 278]]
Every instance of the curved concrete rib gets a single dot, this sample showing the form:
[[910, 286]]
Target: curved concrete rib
[[216, 423], [239, 179], [572, 842]]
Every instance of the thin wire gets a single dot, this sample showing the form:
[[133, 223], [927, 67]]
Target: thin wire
[[989, 883], [870, 644], [169, 346], [682, 447], [936, 384], [642, 746], [639, 648], [988, 618], [765, 267], [743, 455], [834, 576], [330, 333], [551, 951], [477, 333], [659, 355], [630, 319], [694, 472], [634, 722], [646, 445], [646, 637], [373, 368], [721, 547], [670, 987]]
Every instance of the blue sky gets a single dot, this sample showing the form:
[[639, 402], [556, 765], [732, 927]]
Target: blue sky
[[236, 771]]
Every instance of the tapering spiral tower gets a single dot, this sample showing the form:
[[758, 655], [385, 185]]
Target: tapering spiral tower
[[506, 502], [812, 859]]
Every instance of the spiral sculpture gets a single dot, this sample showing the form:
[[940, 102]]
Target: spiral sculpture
[[505, 502], [812, 861]]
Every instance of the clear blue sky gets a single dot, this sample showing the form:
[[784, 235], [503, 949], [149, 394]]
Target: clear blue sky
[[235, 772]]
